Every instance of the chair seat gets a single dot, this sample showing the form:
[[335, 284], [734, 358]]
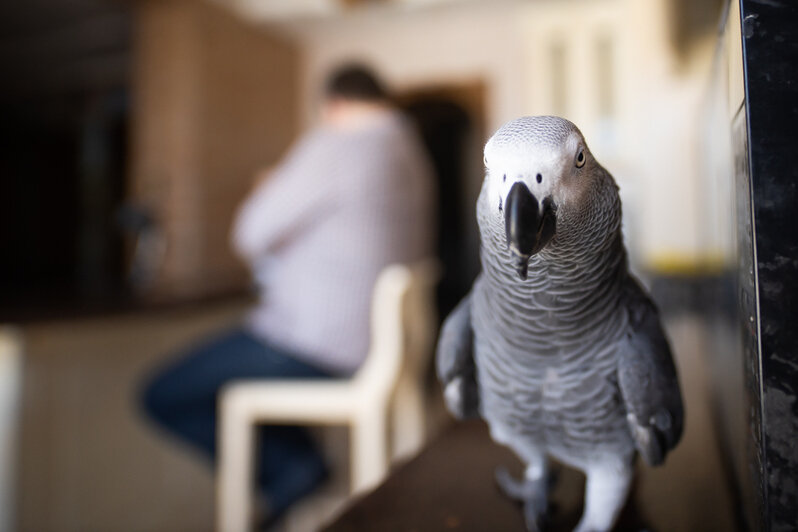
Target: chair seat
[[297, 401]]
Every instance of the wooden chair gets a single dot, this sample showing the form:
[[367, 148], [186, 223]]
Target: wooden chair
[[388, 384]]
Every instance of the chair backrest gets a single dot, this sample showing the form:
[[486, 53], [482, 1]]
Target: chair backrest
[[421, 316], [403, 321]]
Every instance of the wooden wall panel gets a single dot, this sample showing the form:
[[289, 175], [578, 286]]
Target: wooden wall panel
[[214, 100]]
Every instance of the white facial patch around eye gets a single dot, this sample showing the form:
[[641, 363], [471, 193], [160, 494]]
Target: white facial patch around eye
[[493, 186], [497, 189], [544, 166], [572, 147]]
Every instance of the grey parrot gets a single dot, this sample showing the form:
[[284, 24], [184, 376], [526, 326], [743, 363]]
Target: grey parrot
[[557, 346]]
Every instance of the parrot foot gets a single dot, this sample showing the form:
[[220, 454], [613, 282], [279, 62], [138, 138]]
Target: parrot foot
[[533, 494]]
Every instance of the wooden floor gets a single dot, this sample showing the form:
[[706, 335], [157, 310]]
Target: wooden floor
[[89, 462]]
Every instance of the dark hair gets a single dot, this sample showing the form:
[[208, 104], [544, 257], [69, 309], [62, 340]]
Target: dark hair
[[354, 82]]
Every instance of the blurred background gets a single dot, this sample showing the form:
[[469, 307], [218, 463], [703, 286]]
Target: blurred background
[[131, 130]]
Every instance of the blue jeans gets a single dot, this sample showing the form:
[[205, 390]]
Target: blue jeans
[[182, 399]]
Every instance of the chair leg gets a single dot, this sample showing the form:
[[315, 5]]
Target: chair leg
[[10, 388], [234, 476], [408, 419], [369, 449]]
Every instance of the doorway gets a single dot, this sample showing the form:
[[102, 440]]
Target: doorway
[[451, 121]]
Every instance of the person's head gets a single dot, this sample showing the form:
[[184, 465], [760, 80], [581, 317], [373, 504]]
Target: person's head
[[354, 82], [351, 91]]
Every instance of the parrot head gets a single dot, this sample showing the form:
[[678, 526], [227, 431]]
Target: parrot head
[[538, 171]]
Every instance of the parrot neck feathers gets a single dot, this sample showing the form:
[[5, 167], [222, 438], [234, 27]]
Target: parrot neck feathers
[[585, 258]]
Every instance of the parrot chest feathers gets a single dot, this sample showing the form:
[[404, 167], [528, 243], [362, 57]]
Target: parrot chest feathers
[[546, 356]]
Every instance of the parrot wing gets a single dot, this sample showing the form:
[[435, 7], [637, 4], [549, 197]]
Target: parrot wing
[[648, 381], [455, 362]]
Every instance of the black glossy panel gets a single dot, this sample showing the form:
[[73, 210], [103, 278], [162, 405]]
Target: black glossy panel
[[770, 46]]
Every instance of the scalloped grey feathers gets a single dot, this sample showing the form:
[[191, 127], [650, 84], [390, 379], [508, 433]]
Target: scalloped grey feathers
[[570, 362]]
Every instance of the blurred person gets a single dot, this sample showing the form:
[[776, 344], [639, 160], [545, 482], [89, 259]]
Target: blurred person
[[353, 195]]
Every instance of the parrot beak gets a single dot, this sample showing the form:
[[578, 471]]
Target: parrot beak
[[528, 226]]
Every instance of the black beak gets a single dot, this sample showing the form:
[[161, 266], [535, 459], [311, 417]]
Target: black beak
[[528, 228]]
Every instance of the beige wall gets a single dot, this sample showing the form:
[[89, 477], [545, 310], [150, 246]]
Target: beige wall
[[215, 99], [440, 45], [651, 141]]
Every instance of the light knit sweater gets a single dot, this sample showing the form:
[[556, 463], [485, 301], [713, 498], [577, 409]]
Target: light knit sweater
[[342, 205]]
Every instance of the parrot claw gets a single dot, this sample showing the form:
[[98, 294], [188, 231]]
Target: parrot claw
[[532, 493]]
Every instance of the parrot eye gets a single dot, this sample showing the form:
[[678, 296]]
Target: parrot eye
[[580, 158]]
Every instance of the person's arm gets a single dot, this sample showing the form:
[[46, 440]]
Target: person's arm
[[280, 205]]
